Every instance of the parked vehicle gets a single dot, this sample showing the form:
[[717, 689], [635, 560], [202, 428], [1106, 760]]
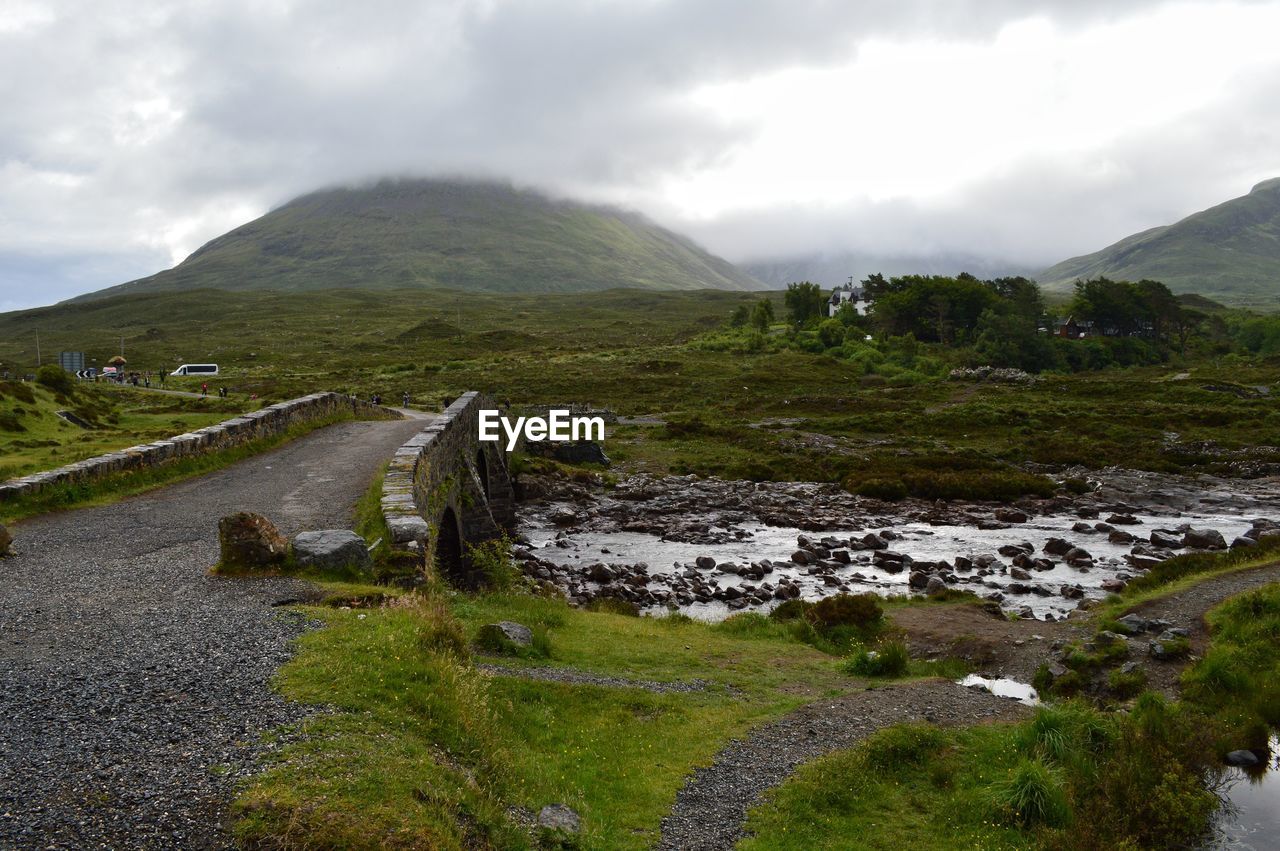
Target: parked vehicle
[[196, 369]]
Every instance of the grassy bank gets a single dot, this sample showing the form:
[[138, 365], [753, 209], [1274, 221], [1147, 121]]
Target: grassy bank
[[1072, 777]]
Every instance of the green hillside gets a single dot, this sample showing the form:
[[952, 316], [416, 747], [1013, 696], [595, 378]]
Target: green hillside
[[34, 437], [435, 233], [1230, 252]]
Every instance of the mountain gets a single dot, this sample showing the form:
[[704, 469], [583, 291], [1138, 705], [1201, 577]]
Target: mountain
[[1230, 252], [462, 234], [834, 269]]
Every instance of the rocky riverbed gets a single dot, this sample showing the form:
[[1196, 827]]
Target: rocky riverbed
[[711, 547]]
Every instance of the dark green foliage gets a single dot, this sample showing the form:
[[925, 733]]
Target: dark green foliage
[[762, 315], [1031, 795], [887, 659], [56, 378], [614, 606], [862, 611], [903, 745], [492, 559], [805, 302]]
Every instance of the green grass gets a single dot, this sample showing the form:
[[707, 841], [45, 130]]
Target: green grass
[[34, 438], [476, 743]]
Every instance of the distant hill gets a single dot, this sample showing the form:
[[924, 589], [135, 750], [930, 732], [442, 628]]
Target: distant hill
[[460, 234], [1230, 253], [834, 269]]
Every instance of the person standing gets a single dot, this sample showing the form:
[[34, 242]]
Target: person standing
[[204, 389]]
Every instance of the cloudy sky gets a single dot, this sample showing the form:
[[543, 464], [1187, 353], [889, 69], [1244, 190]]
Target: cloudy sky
[[1024, 130]]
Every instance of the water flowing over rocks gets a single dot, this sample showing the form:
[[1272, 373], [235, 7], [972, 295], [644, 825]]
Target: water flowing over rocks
[[711, 547]]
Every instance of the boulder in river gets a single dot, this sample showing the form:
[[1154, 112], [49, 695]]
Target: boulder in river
[[1165, 540], [1204, 539], [249, 541]]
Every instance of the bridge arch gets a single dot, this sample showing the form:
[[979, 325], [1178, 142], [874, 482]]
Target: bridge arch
[[445, 486]]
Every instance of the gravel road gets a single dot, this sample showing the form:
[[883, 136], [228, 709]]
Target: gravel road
[[711, 808], [133, 686]]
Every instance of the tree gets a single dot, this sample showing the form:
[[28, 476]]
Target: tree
[[804, 301], [831, 333], [762, 315], [740, 316]]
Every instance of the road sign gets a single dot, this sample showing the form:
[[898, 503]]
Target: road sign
[[71, 361]]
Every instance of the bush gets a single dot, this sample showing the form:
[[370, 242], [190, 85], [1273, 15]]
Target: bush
[[862, 611], [903, 744], [614, 606], [1032, 795], [889, 659], [492, 559], [890, 490], [55, 378]]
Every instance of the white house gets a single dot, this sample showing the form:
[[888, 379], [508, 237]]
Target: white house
[[848, 294]]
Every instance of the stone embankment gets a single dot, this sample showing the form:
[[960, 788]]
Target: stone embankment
[[267, 422]]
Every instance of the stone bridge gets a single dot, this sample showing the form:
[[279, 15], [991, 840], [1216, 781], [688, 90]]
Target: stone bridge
[[445, 490]]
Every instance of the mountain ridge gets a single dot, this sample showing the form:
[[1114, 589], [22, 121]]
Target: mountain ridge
[[437, 233], [1229, 252]]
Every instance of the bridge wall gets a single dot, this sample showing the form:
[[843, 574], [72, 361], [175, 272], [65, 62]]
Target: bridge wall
[[444, 488], [267, 422]]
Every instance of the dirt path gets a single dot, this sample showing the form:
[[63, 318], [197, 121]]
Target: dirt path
[[711, 809], [134, 687]]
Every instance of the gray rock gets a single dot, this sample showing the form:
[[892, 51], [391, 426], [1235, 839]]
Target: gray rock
[[1019, 573], [1204, 539], [935, 585], [504, 634], [1166, 540], [1243, 542], [705, 562], [1133, 623], [1058, 546], [560, 819], [331, 549], [1242, 759]]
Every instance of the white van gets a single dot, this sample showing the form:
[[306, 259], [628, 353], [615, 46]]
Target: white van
[[196, 369]]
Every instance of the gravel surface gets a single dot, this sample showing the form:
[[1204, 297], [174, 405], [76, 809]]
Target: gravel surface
[[711, 808], [569, 675], [134, 687]]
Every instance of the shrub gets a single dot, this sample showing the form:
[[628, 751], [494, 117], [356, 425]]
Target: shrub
[[438, 631], [903, 744], [492, 559], [889, 659], [1032, 795], [889, 490], [748, 625], [862, 611], [614, 606], [55, 378], [791, 609], [1125, 685]]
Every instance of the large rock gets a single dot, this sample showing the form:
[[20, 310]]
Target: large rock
[[1204, 539], [6, 541], [559, 819], [504, 635], [331, 549], [1166, 540], [249, 541], [1242, 759]]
